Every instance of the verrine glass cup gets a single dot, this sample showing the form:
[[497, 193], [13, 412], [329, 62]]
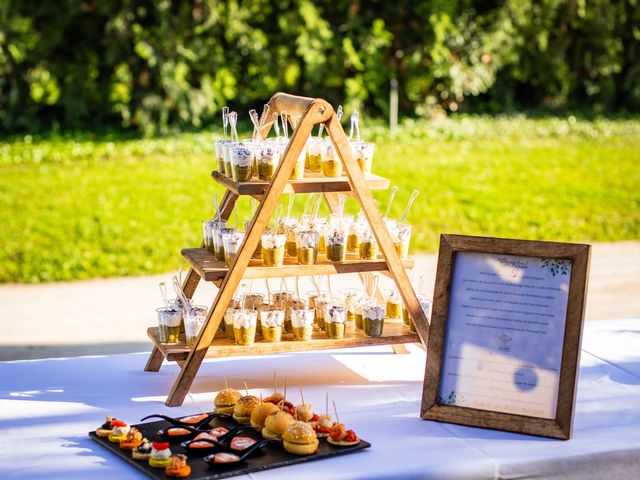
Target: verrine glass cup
[[194, 319], [169, 319]]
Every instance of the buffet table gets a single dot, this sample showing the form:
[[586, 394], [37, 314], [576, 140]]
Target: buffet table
[[47, 407]]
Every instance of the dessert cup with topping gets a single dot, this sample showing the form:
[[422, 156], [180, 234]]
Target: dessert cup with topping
[[307, 246], [302, 323], [232, 242], [273, 246], [169, 320], [335, 317], [372, 318], [244, 326], [271, 323]]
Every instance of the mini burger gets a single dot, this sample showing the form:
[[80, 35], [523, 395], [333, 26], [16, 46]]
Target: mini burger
[[244, 407], [260, 414], [226, 400], [300, 439], [275, 424]]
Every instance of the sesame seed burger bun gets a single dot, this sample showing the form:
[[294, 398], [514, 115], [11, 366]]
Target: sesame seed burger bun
[[300, 439], [244, 407], [260, 413], [226, 400], [275, 424]]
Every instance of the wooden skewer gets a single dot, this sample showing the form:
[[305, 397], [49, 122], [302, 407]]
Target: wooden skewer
[[275, 383], [246, 389], [326, 404], [336, 411], [301, 394], [226, 384]]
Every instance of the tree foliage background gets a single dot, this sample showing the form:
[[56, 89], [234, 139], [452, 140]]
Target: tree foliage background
[[153, 65]]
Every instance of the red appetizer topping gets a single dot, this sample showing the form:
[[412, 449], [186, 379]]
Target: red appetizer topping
[[200, 445], [118, 423], [319, 429], [160, 445], [218, 431], [241, 443], [314, 418], [193, 418], [350, 436], [224, 457]]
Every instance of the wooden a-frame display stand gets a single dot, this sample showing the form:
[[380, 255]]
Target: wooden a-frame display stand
[[311, 111]]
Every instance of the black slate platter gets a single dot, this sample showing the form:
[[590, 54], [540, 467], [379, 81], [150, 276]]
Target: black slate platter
[[272, 456]]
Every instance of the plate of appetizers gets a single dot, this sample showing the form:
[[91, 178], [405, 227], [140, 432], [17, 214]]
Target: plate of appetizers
[[243, 434]]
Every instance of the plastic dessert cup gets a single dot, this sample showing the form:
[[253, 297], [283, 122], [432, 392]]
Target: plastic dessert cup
[[312, 295], [273, 246], [226, 150], [302, 323], [288, 225], [320, 225], [351, 299], [193, 321], [425, 303], [241, 163], [368, 248], [218, 242], [372, 319], [329, 161], [257, 253], [207, 237], [220, 155], [298, 167], [244, 326], [312, 161], [307, 246], [394, 304], [252, 301], [228, 323], [291, 306], [357, 315], [271, 322], [353, 238], [363, 153], [169, 320], [232, 242], [335, 317], [336, 244], [267, 158], [401, 235], [319, 302]]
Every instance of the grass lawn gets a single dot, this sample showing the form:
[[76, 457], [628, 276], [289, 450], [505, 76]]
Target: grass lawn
[[82, 207]]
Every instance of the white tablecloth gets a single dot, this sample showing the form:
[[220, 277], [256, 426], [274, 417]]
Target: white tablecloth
[[47, 407]]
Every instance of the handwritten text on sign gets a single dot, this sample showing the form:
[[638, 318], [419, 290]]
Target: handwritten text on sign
[[505, 331]]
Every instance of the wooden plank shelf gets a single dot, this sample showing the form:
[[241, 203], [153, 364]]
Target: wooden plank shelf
[[394, 332], [313, 182], [210, 269]]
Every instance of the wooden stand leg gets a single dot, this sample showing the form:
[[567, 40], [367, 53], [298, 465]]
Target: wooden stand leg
[[155, 360], [399, 349]]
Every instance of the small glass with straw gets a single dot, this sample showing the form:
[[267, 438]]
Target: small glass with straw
[[401, 233], [169, 319], [207, 237], [368, 248], [268, 158], [373, 314], [218, 239], [244, 323], [307, 246], [273, 248], [194, 319], [302, 323], [394, 303], [330, 163], [242, 159], [257, 253], [232, 242], [271, 322], [335, 317]]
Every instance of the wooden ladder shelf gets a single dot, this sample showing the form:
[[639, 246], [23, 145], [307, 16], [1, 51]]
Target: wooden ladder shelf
[[312, 111]]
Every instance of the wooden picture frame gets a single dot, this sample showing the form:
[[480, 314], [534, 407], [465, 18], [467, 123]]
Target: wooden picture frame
[[474, 366]]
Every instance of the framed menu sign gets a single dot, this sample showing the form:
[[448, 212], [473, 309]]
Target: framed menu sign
[[504, 341]]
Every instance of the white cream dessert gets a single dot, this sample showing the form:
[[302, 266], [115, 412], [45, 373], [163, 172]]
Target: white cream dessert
[[242, 156], [271, 318], [244, 319], [273, 240]]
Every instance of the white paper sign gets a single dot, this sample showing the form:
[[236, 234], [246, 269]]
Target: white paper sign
[[504, 335]]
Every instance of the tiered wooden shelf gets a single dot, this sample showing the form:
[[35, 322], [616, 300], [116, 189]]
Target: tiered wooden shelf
[[212, 270], [395, 332], [203, 265]]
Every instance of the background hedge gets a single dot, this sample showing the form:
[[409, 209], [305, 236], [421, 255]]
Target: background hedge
[[153, 65]]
